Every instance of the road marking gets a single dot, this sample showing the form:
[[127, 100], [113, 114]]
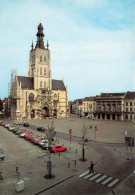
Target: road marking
[[101, 178], [83, 174], [87, 176], [106, 181], [94, 177], [112, 183]]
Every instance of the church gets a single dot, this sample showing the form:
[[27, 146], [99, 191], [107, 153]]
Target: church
[[38, 96]]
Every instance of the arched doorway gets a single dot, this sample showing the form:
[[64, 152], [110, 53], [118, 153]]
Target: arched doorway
[[45, 112], [32, 114]]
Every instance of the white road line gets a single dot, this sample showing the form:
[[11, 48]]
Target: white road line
[[112, 183], [83, 174], [94, 177], [100, 179], [107, 180], [87, 176]]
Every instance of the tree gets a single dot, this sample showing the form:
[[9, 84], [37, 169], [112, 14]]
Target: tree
[[50, 134], [1, 105]]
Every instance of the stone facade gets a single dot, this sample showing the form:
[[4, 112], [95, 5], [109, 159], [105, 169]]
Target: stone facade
[[110, 106], [38, 95]]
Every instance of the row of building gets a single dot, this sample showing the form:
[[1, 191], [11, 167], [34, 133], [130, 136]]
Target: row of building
[[106, 106]]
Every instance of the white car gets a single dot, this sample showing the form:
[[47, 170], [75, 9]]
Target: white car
[[42, 142], [18, 123]]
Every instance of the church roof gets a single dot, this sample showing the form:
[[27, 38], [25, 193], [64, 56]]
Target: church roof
[[26, 82], [57, 85]]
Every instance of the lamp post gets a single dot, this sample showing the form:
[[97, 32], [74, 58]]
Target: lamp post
[[84, 141], [70, 134]]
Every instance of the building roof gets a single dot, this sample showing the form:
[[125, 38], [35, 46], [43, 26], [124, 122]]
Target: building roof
[[26, 82], [58, 85], [89, 99], [111, 94], [130, 95]]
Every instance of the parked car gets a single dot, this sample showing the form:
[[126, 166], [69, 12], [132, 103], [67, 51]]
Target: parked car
[[11, 127], [37, 140], [2, 156], [29, 133], [46, 146], [19, 131], [1, 123], [22, 134], [41, 129], [58, 148], [7, 125], [18, 123], [42, 142], [26, 124]]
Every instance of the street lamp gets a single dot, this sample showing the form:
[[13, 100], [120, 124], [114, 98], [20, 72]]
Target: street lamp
[[70, 134]]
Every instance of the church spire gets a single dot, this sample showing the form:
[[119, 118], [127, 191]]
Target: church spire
[[32, 46], [40, 37], [47, 45]]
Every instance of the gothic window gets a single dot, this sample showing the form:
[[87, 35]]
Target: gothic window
[[44, 58], [40, 84], [41, 71], [44, 84], [31, 97], [40, 58], [44, 71]]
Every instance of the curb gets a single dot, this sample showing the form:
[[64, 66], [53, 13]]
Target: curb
[[54, 184]]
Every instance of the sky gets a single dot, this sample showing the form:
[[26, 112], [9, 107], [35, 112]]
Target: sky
[[92, 43]]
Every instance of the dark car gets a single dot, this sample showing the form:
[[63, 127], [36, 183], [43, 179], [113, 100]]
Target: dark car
[[26, 124], [41, 129]]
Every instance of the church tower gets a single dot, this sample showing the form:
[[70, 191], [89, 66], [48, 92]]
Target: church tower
[[40, 62]]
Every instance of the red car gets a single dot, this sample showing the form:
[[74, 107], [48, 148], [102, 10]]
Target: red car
[[38, 139], [1, 123], [30, 133], [29, 137], [58, 148]]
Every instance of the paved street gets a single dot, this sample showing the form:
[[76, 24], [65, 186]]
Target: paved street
[[111, 170]]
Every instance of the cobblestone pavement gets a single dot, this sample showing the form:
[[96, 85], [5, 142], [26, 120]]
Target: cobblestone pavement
[[32, 160]]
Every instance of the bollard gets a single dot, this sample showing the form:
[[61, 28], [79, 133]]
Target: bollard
[[68, 164]]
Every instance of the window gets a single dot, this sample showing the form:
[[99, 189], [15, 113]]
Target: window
[[103, 107], [44, 84], [114, 107], [130, 103], [40, 71], [44, 71], [44, 58], [31, 97], [40, 58], [40, 84], [99, 107], [126, 109], [126, 103], [108, 107], [130, 109]]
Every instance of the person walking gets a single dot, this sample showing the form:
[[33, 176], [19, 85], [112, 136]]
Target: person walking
[[91, 168], [1, 177]]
